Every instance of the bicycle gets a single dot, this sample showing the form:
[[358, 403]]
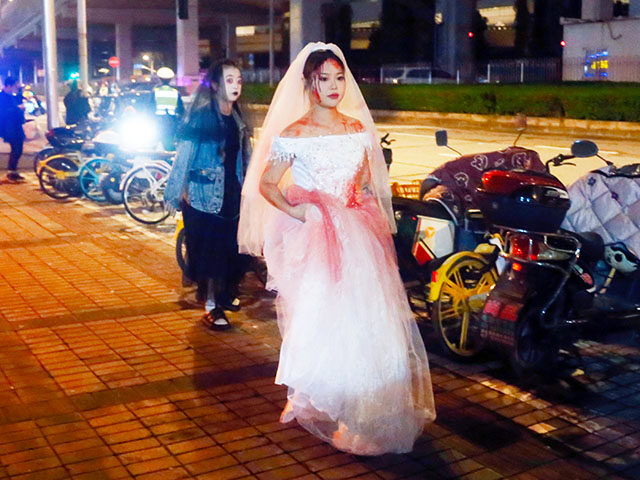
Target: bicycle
[[143, 191]]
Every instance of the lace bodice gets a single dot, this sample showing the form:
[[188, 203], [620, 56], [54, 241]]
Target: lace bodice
[[327, 163]]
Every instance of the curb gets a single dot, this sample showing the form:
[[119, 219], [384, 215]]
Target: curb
[[567, 126]]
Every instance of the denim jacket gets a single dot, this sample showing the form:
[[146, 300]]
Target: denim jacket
[[198, 171]]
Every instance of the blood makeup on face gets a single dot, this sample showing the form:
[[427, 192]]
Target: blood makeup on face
[[323, 79]]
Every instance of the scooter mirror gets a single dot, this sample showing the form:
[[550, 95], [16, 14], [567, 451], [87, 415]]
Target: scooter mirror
[[584, 148], [520, 122], [441, 138]]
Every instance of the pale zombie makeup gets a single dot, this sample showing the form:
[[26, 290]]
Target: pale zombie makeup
[[231, 84], [328, 84]]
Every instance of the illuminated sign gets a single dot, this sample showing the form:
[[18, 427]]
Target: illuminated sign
[[596, 65]]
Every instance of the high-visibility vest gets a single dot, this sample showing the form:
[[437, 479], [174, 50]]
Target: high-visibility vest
[[166, 98]]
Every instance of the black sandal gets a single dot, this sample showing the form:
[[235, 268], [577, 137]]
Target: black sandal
[[216, 319], [232, 306]]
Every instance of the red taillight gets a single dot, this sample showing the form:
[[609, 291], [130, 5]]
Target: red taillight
[[510, 312], [434, 276], [525, 247], [506, 182]]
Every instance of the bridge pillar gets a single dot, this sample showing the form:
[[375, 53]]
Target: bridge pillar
[[187, 47], [124, 50], [306, 24]]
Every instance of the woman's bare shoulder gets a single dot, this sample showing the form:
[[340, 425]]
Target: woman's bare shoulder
[[353, 125], [296, 129]]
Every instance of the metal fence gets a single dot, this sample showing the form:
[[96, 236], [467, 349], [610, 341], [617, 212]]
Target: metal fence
[[261, 75], [525, 70], [593, 67]]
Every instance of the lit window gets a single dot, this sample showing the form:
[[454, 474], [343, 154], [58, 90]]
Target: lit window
[[245, 31]]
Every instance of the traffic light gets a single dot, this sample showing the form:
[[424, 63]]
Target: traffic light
[[470, 34], [182, 6]]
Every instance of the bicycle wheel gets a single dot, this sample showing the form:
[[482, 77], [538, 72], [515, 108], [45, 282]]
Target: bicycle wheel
[[456, 312], [144, 194], [181, 252], [90, 176], [58, 177], [111, 187], [41, 155]]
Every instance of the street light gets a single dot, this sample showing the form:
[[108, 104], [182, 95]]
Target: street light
[[149, 58]]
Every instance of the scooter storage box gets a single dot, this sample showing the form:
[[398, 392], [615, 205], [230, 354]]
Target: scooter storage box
[[523, 199]]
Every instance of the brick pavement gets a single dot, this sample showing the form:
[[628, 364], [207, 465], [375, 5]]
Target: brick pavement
[[105, 373]]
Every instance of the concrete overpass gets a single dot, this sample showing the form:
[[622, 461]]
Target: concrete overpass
[[120, 21]]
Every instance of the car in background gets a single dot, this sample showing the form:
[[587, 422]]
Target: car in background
[[415, 75]]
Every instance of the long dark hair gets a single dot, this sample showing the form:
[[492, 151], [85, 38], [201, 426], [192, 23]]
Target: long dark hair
[[203, 119], [314, 62]]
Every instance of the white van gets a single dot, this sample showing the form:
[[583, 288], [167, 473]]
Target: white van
[[412, 75]]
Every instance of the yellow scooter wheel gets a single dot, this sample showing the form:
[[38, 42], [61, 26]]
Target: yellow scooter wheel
[[463, 284]]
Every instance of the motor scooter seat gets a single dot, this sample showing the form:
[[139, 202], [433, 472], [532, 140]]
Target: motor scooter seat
[[426, 208], [592, 245]]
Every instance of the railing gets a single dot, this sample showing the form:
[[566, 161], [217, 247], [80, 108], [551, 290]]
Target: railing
[[525, 70], [261, 75]]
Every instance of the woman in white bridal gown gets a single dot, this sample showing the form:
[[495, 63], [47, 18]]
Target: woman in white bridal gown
[[316, 203]]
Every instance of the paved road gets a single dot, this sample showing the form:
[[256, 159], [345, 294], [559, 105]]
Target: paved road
[[415, 151], [105, 372]]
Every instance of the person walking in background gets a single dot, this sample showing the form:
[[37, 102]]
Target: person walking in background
[[105, 99], [11, 121], [77, 105], [352, 355], [205, 183], [167, 107]]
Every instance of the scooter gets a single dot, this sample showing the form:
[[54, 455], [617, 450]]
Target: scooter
[[69, 139], [446, 260], [557, 286]]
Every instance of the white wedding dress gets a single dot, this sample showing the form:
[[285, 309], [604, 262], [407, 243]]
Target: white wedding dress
[[352, 356]]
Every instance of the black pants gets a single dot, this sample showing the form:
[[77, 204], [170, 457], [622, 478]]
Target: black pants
[[14, 155], [212, 252]]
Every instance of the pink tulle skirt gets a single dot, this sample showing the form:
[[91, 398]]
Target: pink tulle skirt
[[352, 356]]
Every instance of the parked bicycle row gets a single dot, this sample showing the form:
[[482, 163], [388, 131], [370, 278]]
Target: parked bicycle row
[[107, 162]]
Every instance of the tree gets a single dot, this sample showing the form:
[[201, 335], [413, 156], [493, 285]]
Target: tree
[[479, 29], [337, 17], [547, 30], [620, 9], [405, 33], [523, 29]]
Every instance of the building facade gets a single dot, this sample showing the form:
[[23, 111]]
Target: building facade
[[599, 46]]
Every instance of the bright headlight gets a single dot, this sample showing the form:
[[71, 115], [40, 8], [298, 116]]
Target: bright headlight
[[138, 133]]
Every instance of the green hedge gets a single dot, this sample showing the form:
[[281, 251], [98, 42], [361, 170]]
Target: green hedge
[[593, 101]]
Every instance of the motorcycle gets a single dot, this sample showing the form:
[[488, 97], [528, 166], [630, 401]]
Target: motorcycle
[[445, 259], [66, 140], [557, 286]]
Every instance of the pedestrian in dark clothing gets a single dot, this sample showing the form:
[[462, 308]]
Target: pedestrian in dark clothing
[[205, 183], [11, 121], [77, 105]]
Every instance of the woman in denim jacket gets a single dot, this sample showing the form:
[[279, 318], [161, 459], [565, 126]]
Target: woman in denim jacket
[[205, 183]]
